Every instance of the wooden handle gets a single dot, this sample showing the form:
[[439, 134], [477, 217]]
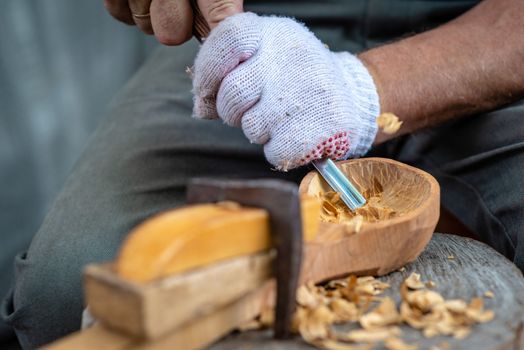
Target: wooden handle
[[200, 27]]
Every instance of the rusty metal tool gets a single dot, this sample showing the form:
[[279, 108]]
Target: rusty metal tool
[[281, 200]]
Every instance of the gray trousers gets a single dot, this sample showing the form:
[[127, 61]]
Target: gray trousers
[[140, 158]]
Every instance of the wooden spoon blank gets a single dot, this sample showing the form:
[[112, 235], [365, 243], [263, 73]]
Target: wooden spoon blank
[[186, 238]]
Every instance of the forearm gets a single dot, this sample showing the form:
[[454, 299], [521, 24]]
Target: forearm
[[472, 64]]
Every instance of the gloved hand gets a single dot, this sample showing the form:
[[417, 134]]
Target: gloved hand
[[275, 79]]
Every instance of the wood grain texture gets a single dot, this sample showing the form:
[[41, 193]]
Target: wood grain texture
[[186, 238], [475, 269], [154, 309], [195, 334]]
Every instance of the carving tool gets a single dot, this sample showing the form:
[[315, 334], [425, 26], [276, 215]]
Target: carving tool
[[281, 200], [340, 183]]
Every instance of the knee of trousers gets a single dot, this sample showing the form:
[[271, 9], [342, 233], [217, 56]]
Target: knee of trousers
[[45, 302]]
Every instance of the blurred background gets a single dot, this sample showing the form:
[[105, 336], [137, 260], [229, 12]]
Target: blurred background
[[61, 62]]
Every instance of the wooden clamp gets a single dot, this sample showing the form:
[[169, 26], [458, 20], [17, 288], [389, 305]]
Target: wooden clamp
[[281, 200]]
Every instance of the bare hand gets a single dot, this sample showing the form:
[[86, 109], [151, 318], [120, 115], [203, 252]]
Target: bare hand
[[171, 21]]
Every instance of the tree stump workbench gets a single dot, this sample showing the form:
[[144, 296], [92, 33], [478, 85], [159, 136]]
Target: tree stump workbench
[[461, 268]]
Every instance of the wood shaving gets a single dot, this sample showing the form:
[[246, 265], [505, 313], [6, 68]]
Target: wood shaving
[[344, 310], [424, 300], [357, 301], [316, 323], [489, 294], [307, 298], [389, 123], [413, 281], [451, 257], [385, 314], [428, 311], [431, 284], [189, 72]]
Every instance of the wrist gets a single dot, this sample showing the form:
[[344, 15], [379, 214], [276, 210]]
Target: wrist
[[367, 104], [368, 59], [376, 62]]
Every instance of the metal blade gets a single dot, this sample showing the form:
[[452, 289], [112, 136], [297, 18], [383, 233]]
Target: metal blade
[[340, 183]]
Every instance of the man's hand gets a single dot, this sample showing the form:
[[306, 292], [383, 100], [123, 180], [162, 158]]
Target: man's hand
[[275, 79], [171, 21]]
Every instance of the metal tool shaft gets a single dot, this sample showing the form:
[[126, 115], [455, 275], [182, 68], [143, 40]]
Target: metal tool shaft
[[340, 183]]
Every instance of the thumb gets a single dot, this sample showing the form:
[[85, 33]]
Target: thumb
[[234, 41], [215, 11]]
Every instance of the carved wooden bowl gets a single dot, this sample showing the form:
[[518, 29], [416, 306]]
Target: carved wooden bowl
[[378, 247]]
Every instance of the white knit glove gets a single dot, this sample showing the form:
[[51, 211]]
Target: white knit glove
[[275, 79]]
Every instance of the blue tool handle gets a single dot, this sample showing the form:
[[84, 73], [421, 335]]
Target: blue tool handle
[[340, 183]]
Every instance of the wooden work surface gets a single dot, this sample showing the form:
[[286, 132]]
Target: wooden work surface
[[475, 269]]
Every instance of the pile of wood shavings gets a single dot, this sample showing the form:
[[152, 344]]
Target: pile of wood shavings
[[428, 311], [334, 210], [353, 300]]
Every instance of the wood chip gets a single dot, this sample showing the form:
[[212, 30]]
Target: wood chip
[[385, 314], [424, 300], [431, 284], [414, 282], [489, 294], [389, 123], [189, 72], [354, 300], [306, 297], [344, 310], [429, 311], [315, 323]]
